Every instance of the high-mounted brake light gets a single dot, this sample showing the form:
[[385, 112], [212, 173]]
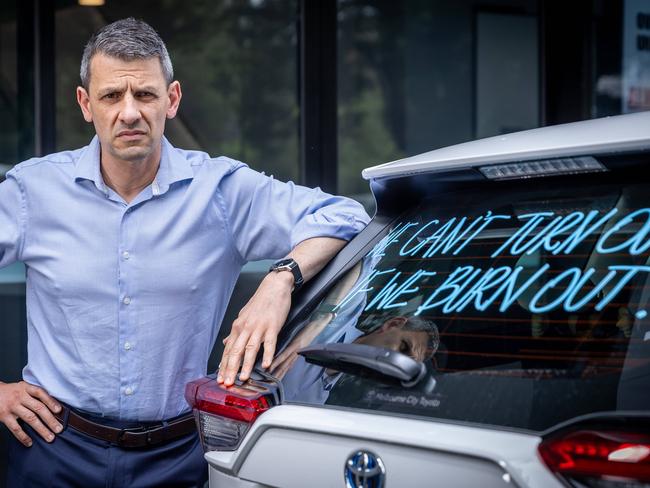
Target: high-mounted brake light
[[548, 167], [599, 457], [224, 414]]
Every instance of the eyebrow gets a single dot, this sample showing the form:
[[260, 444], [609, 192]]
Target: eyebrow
[[147, 88], [113, 89]]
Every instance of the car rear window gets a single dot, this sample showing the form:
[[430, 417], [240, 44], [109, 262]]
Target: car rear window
[[528, 308]]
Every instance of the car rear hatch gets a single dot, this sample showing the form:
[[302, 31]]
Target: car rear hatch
[[522, 292], [297, 446]]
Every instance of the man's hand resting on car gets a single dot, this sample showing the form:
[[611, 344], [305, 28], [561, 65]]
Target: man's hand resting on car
[[262, 318]]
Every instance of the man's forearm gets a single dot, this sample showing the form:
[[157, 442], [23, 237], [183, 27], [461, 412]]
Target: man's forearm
[[313, 254]]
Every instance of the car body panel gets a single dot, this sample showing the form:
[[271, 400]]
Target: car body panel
[[294, 445]]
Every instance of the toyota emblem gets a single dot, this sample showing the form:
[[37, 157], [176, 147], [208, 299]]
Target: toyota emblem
[[364, 470]]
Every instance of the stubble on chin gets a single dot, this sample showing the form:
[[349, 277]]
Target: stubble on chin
[[133, 154]]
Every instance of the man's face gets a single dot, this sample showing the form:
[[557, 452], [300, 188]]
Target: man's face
[[410, 342], [128, 102]]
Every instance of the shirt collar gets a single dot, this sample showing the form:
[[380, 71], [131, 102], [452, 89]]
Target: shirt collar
[[173, 167], [87, 167]]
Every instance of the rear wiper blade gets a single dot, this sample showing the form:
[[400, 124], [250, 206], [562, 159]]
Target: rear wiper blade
[[384, 365]]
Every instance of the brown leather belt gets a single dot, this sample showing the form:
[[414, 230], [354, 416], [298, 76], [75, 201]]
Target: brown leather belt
[[132, 437]]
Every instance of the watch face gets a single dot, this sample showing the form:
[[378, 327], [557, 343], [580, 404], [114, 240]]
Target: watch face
[[282, 262], [288, 264]]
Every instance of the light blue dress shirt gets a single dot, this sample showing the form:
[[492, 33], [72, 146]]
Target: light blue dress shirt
[[124, 301]]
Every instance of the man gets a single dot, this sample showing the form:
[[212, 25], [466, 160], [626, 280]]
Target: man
[[413, 336], [132, 248]]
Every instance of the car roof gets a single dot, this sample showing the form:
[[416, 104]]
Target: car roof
[[621, 133]]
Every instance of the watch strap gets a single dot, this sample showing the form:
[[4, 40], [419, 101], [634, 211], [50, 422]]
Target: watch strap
[[289, 264]]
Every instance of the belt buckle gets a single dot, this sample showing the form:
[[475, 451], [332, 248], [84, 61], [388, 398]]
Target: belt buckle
[[143, 436], [123, 432], [158, 429], [120, 437]]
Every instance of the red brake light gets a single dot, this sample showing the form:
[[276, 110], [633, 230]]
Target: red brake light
[[224, 414], [599, 454], [232, 406]]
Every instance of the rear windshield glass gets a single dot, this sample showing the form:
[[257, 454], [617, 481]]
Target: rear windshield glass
[[527, 310]]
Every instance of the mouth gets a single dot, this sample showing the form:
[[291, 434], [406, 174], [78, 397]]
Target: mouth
[[131, 134]]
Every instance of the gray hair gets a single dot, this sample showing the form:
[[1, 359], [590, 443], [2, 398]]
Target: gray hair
[[128, 40], [418, 324]]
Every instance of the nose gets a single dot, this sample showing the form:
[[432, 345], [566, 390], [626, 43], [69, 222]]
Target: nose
[[129, 113]]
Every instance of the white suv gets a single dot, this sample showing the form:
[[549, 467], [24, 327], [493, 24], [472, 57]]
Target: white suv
[[489, 328]]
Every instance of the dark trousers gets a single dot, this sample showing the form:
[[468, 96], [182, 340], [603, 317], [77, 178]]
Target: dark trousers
[[77, 460]]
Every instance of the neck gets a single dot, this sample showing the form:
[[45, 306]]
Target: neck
[[129, 178]]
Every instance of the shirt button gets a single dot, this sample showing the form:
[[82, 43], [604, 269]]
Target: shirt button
[[126, 255], [128, 391], [127, 346], [126, 300]]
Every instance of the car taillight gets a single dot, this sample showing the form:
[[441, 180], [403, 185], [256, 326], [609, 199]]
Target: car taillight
[[224, 414], [599, 458]]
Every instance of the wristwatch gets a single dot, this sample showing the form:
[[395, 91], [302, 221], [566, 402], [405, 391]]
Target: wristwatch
[[289, 264]]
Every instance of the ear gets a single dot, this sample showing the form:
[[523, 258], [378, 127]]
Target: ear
[[174, 93], [84, 102], [393, 322]]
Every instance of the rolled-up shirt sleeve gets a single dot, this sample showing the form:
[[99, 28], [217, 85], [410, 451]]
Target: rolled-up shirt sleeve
[[268, 217], [12, 219]]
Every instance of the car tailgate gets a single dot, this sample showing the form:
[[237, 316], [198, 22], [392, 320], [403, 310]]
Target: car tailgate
[[297, 446]]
